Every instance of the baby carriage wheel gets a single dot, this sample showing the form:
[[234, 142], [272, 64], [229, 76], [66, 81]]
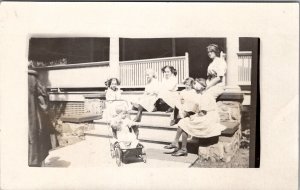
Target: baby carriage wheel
[[112, 150], [144, 157], [118, 155]]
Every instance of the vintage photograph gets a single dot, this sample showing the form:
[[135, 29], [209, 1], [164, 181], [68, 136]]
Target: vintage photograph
[[143, 102], [149, 95]]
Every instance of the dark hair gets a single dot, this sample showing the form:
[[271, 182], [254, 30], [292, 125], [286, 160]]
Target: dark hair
[[189, 81], [202, 81], [108, 82], [214, 48], [172, 69]]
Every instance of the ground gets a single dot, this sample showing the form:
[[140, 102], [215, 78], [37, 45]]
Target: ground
[[95, 152], [240, 160]]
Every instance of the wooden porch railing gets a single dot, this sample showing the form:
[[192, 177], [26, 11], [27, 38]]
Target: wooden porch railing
[[132, 73], [244, 67]]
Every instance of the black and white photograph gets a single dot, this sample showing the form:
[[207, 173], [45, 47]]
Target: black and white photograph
[[144, 102], [149, 95]]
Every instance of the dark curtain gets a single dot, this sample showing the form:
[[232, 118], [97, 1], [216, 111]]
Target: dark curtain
[[39, 142]]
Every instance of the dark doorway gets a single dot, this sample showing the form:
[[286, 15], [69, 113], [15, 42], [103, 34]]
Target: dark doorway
[[75, 50], [142, 48], [196, 47]]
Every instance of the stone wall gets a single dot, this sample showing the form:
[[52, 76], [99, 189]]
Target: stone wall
[[227, 145], [70, 133]]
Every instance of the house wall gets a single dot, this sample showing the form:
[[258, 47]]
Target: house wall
[[73, 77]]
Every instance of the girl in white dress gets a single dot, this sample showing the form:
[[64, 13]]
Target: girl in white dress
[[215, 72], [168, 88], [150, 96], [184, 104], [113, 97], [203, 124]]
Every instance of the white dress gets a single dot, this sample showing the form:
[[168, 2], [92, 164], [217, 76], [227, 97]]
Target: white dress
[[112, 101], [217, 68], [148, 99], [126, 138], [186, 100], [203, 126], [168, 91]]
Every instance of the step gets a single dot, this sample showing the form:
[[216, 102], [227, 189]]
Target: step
[[161, 119], [147, 134]]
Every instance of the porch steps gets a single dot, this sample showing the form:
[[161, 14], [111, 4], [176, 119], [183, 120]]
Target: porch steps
[[154, 128], [146, 134], [161, 119]]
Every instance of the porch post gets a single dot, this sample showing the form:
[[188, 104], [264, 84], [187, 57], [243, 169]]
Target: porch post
[[114, 57], [232, 61]]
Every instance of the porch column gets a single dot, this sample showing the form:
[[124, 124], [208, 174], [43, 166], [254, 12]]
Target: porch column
[[232, 61], [114, 57]]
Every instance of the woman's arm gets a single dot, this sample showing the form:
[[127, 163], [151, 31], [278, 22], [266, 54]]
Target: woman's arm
[[214, 81]]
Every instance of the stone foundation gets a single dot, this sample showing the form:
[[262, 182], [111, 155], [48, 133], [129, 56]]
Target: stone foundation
[[70, 133], [226, 146]]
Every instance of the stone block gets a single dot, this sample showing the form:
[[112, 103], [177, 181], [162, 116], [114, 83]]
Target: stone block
[[223, 150], [224, 116], [64, 128], [67, 139]]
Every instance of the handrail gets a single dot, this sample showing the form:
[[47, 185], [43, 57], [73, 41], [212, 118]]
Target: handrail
[[155, 59], [132, 73], [244, 53]]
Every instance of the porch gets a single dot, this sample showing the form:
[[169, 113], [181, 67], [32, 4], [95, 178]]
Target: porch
[[81, 97]]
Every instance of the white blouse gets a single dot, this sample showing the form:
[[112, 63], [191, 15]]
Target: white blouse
[[217, 68], [169, 84], [113, 95], [152, 87]]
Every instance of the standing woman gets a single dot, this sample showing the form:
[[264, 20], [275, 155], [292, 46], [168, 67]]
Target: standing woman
[[215, 72]]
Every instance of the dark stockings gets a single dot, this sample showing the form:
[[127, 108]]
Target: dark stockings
[[176, 111], [139, 114]]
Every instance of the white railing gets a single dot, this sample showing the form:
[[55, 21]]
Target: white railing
[[244, 67], [132, 73]]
